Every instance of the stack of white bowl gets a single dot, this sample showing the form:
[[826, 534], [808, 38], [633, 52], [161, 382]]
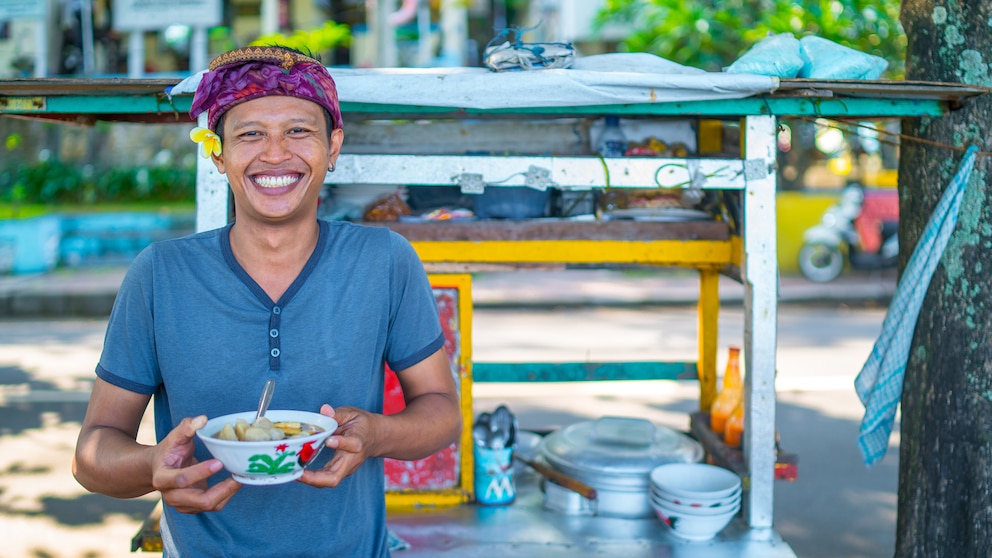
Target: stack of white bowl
[[695, 500]]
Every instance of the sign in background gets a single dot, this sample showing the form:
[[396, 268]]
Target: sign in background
[[133, 15], [21, 9]]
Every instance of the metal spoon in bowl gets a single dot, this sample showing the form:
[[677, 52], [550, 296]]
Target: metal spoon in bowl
[[263, 402]]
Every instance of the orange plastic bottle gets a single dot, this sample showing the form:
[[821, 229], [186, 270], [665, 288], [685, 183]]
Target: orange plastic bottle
[[730, 396], [735, 427]]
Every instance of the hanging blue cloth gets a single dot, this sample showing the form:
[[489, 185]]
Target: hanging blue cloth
[[879, 385]]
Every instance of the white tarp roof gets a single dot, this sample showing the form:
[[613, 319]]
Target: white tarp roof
[[618, 78]]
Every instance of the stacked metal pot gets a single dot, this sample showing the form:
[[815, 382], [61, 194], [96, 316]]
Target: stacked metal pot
[[614, 455]]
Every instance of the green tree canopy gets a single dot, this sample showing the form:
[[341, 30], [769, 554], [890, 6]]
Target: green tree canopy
[[709, 34], [311, 41]]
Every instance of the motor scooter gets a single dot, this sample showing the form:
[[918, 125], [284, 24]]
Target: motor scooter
[[862, 225]]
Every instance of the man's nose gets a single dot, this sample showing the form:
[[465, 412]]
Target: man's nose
[[276, 150]]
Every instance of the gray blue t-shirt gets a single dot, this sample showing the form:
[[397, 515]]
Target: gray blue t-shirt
[[190, 327]]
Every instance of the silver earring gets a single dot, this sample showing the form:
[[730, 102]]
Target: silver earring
[[331, 168]]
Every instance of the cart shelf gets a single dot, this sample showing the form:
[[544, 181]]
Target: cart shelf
[[557, 229], [703, 244]]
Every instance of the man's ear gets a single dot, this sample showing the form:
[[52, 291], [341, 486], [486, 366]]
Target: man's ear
[[337, 138], [218, 162]]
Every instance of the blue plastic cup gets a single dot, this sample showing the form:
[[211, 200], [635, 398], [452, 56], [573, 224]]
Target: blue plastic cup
[[494, 476]]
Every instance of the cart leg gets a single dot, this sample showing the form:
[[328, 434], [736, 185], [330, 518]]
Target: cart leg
[[760, 276], [709, 311]]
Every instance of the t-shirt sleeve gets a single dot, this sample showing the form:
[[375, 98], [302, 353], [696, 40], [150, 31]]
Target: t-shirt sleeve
[[128, 359], [414, 325]]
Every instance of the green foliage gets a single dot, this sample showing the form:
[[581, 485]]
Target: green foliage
[[710, 35], [53, 182], [313, 41], [221, 39]]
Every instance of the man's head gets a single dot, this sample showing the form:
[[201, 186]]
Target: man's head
[[249, 73], [280, 110]]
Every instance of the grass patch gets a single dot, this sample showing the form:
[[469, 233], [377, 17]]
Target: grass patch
[[22, 211], [25, 211]]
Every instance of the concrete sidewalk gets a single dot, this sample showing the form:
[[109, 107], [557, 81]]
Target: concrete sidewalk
[[664, 287], [90, 291]]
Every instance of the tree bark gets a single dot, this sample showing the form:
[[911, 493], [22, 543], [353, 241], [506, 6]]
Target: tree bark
[[945, 468]]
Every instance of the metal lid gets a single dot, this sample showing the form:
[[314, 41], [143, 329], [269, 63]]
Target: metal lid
[[617, 452]]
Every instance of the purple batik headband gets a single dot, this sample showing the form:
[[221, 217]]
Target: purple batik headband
[[249, 73]]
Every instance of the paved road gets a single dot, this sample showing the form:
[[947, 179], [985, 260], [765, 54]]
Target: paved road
[[836, 509], [90, 291]]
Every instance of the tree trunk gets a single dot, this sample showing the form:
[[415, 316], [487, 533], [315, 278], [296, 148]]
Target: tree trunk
[[945, 468]]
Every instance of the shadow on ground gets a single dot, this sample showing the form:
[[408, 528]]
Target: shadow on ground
[[83, 511], [16, 417], [835, 493]]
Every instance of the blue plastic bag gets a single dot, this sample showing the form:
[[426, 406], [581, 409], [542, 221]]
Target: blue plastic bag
[[825, 59], [775, 55]]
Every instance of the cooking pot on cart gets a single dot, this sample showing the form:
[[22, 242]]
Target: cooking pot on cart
[[615, 455]]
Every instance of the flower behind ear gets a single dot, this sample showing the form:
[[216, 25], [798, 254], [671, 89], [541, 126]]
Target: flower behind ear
[[208, 140]]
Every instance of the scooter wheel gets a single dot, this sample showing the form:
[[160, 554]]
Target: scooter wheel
[[820, 262]]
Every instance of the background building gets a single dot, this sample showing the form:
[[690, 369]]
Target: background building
[[47, 38]]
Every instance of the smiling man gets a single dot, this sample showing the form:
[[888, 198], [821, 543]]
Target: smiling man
[[201, 322]]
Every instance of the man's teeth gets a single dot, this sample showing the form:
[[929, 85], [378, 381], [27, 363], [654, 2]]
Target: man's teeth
[[275, 181]]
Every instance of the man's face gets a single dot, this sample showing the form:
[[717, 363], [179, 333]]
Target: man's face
[[276, 154]]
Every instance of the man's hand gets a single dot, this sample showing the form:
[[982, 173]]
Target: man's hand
[[352, 442], [430, 420], [181, 479]]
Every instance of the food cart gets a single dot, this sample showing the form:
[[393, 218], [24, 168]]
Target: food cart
[[532, 130]]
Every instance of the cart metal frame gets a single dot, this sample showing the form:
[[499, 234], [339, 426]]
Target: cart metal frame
[[748, 253]]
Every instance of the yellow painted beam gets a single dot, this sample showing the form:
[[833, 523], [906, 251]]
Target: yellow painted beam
[[397, 501], [463, 282], [675, 253], [709, 314], [736, 251]]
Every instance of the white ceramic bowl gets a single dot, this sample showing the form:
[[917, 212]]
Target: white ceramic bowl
[[695, 501], [268, 462], [695, 480], [694, 527], [696, 510]]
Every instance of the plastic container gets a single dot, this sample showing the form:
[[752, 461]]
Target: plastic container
[[494, 484], [613, 142], [735, 427], [507, 202], [730, 396], [572, 203]]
